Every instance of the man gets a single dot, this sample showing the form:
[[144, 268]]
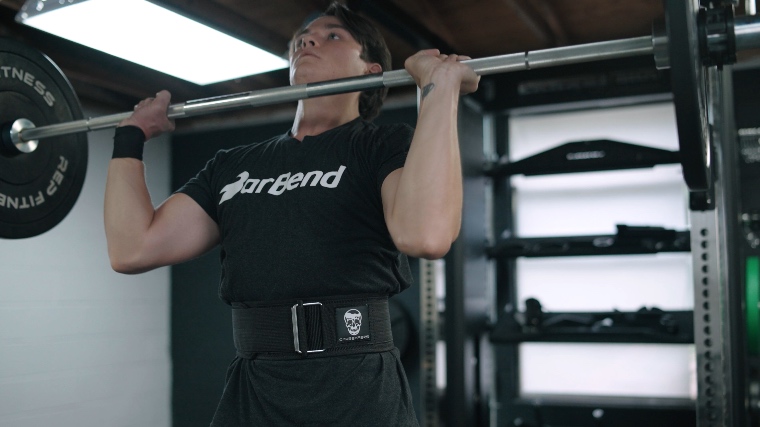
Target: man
[[314, 226]]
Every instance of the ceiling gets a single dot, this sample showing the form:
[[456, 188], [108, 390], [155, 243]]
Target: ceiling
[[477, 28]]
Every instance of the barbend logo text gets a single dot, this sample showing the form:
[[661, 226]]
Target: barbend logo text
[[282, 183]]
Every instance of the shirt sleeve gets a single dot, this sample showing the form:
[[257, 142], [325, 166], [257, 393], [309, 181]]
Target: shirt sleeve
[[392, 147], [200, 188]]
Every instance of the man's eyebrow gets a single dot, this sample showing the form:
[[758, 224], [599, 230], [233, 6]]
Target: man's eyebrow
[[340, 26], [328, 26]]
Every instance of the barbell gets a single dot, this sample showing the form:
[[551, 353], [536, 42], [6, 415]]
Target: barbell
[[40, 182]]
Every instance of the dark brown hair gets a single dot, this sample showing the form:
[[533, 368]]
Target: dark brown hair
[[374, 50]]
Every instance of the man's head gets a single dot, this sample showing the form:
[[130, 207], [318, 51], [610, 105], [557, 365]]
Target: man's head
[[373, 50]]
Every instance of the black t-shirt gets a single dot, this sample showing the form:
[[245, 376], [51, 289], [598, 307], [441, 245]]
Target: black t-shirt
[[305, 219], [299, 220]]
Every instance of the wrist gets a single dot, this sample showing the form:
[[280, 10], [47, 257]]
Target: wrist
[[128, 142]]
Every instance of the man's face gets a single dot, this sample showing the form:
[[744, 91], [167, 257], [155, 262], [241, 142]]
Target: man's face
[[325, 50]]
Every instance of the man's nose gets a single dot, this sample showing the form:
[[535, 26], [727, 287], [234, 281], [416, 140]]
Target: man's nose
[[308, 40]]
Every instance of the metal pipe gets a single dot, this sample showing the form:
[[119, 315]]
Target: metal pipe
[[747, 30], [747, 36]]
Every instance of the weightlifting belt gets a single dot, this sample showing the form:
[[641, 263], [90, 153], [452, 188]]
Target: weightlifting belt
[[318, 327]]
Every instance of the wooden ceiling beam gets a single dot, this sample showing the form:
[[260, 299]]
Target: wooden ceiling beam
[[552, 21], [541, 19], [12, 4], [439, 27], [395, 20]]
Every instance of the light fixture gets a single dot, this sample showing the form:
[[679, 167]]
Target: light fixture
[[150, 35]]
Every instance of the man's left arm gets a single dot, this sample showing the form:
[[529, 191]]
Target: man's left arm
[[423, 200]]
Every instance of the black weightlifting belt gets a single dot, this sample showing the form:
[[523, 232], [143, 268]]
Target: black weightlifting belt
[[318, 327]]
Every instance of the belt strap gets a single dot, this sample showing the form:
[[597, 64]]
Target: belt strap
[[316, 327]]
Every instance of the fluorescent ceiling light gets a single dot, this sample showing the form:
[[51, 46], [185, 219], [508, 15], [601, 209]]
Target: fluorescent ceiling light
[[147, 34]]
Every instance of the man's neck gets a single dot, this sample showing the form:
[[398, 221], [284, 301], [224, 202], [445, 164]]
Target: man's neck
[[318, 115]]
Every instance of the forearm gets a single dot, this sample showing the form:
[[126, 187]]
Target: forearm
[[428, 202], [128, 212]]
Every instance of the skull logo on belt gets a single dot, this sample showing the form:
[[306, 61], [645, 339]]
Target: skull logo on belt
[[353, 319]]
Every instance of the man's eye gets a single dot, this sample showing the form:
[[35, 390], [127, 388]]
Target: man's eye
[[333, 36]]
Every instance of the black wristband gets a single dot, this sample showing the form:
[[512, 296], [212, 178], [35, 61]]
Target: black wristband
[[128, 142]]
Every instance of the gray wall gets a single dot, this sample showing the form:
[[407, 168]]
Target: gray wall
[[81, 345]]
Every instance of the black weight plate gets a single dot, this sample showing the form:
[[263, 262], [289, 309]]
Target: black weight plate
[[690, 92], [38, 189]]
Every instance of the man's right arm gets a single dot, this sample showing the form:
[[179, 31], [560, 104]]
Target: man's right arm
[[139, 237]]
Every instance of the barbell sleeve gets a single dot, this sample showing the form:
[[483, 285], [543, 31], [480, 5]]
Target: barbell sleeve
[[747, 31]]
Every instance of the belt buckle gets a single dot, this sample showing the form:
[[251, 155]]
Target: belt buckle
[[294, 318]]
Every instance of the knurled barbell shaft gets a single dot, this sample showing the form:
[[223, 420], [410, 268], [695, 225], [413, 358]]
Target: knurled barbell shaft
[[747, 30], [482, 66]]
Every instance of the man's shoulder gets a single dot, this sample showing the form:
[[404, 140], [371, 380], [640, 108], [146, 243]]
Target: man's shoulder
[[382, 131], [239, 150]]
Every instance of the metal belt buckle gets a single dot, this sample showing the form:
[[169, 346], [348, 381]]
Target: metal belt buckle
[[294, 318]]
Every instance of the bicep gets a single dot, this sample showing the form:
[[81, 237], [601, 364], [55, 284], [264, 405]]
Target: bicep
[[181, 230]]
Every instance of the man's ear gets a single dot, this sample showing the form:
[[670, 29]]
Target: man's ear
[[374, 68]]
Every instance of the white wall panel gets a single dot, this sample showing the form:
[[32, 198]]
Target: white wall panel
[[592, 204], [81, 345]]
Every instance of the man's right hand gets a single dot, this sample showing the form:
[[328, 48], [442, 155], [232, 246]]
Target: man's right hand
[[150, 115]]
